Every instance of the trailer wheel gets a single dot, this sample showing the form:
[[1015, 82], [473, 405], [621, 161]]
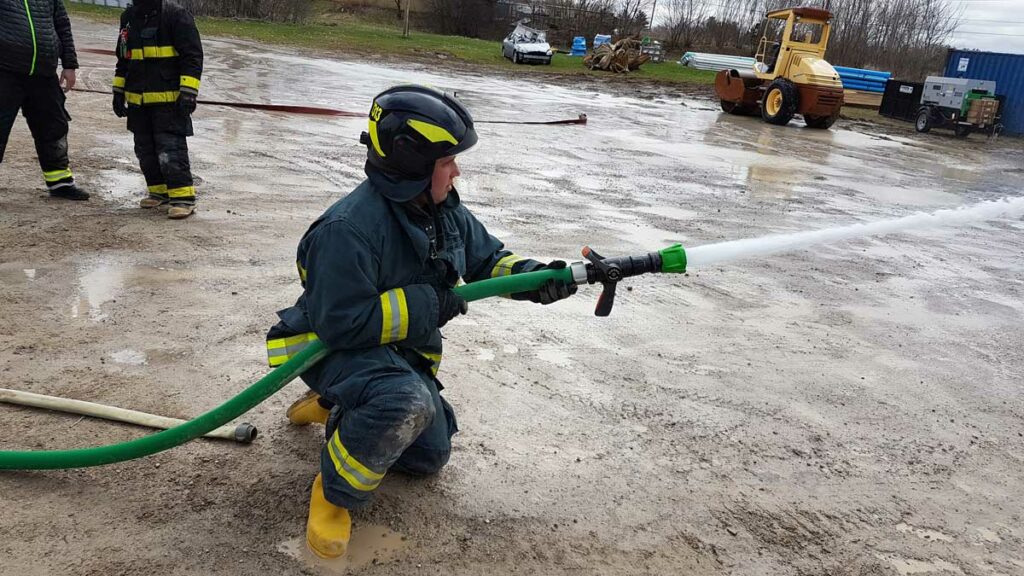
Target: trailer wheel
[[821, 122], [780, 102], [924, 120]]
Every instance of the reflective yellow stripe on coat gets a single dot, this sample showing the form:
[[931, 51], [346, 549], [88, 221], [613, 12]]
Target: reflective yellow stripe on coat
[[395, 313], [189, 82], [504, 266], [435, 361], [138, 99], [281, 350], [153, 52], [354, 472]]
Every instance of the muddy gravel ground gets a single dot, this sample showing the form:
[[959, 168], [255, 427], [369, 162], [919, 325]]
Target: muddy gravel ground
[[853, 409]]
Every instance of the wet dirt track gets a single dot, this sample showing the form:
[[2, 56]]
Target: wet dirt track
[[856, 409]]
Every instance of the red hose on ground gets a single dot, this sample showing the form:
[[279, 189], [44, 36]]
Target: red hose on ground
[[317, 111]]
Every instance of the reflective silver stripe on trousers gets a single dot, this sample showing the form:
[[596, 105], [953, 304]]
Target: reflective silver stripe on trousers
[[362, 482]]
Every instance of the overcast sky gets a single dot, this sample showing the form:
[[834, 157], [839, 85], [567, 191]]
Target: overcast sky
[[992, 17]]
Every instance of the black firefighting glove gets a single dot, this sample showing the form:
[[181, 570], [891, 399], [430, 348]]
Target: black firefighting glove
[[186, 103], [552, 290], [449, 305], [119, 105]]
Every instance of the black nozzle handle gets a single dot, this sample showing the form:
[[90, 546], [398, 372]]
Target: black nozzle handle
[[608, 274]]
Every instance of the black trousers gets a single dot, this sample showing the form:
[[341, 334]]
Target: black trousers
[[162, 149], [41, 100]]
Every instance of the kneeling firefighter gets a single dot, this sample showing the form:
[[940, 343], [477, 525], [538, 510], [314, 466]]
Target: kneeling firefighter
[[378, 268], [156, 83]]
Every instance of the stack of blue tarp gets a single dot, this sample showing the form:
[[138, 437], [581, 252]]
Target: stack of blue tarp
[[579, 46], [863, 80], [602, 39]]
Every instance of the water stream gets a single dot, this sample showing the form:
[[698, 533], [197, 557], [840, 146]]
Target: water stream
[[736, 249]]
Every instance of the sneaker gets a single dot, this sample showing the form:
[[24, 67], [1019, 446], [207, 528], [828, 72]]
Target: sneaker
[[180, 211], [71, 192], [152, 202]]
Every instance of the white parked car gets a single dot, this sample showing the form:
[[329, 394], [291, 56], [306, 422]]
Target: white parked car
[[526, 46]]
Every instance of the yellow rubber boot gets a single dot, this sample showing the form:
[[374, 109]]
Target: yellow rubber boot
[[329, 527], [307, 410]]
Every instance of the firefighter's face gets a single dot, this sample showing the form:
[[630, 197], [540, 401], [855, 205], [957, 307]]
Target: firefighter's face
[[443, 180]]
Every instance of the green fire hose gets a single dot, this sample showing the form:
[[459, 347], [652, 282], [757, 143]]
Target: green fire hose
[[606, 271]]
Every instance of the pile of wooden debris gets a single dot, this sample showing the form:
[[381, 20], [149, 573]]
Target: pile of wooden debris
[[622, 56]]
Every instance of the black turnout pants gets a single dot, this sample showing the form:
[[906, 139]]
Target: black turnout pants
[[160, 145], [41, 100]]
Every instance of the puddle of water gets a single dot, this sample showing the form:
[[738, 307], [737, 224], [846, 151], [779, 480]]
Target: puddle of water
[[101, 282], [510, 349], [668, 212], [556, 356], [637, 232], [129, 357], [907, 196], [959, 174], [369, 544], [97, 287], [14, 273], [923, 533], [908, 566], [485, 354], [989, 535], [771, 181], [124, 189]]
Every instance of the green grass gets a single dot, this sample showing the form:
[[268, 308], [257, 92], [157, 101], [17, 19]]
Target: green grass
[[347, 34]]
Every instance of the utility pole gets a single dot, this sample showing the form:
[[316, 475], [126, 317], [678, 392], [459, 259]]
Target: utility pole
[[653, 8], [405, 32]]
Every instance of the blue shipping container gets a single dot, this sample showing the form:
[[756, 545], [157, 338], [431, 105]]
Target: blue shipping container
[[1006, 70]]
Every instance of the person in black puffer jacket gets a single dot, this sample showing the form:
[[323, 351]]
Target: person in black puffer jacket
[[34, 38]]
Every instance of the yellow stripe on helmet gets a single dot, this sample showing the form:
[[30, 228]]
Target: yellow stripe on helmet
[[374, 139], [432, 132]]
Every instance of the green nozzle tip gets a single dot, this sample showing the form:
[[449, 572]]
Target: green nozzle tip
[[673, 259]]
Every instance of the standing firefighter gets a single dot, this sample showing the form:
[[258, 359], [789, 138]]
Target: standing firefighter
[[34, 35], [378, 268], [159, 63]]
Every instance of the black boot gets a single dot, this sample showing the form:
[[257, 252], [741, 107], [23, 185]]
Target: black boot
[[71, 192]]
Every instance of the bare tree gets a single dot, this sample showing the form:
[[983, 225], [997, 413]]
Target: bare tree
[[685, 17]]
